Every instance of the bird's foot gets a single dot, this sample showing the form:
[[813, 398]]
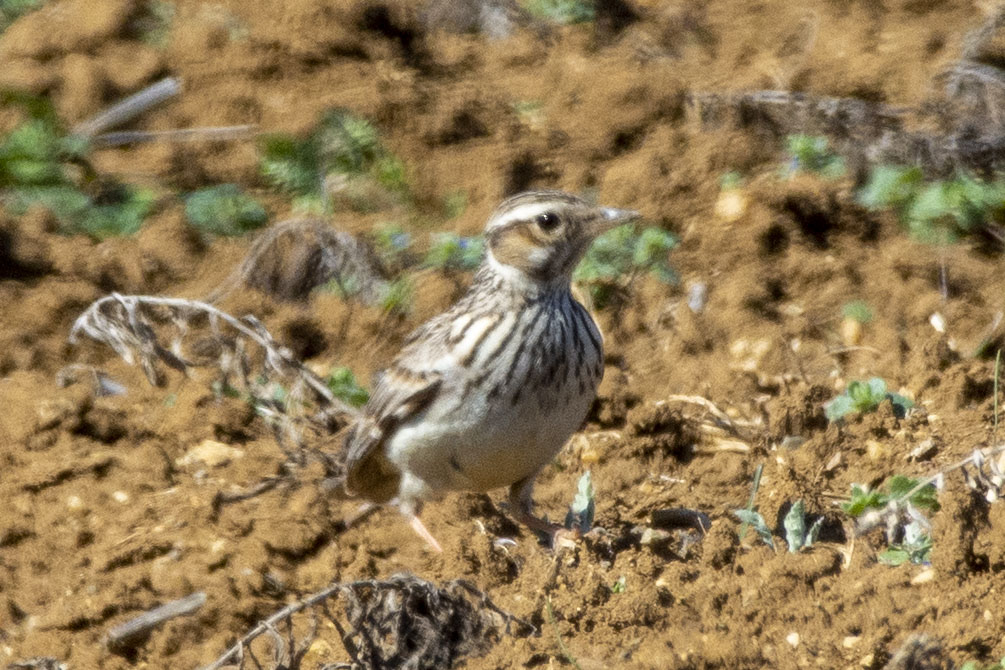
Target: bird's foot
[[420, 529]]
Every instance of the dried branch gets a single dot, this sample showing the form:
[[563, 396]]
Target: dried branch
[[126, 634], [129, 108], [292, 258], [401, 622], [157, 332], [207, 134]]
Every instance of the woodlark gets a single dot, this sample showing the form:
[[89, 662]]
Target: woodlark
[[485, 394]]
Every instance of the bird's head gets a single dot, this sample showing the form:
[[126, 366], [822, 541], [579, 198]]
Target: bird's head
[[540, 236]]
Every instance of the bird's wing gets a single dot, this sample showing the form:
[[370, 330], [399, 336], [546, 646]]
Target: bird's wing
[[402, 391]]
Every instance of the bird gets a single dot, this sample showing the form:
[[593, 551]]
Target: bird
[[485, 394]]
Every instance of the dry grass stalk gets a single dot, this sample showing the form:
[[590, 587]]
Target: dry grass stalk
[[186, 334], [130, 108], [136, 629], [403, 622], [292, 258]]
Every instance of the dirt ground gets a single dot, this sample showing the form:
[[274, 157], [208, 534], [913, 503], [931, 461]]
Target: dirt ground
[[103, 518]]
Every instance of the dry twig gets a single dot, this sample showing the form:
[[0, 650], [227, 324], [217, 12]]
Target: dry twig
[[248, 360], [129, 108], [135, 629], [403, 622], [292, 258]]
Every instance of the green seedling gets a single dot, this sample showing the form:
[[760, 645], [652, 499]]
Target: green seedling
[[224, 210], [342, 383], [583, 507], [938, 212], [730, 181], [393, 245], [898, 490], [561, 11], [345, 152], [620, 586], [797, 534], [916, 547], [750, 518], [811, 153], [899, 503], [40, 166], [619, 256], [397, 296], [451, 252], [865, 397], [857, 310]]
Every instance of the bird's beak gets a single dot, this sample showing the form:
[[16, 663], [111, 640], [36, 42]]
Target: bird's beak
[[612, 218]]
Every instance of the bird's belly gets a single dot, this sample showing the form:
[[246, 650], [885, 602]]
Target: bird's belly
[[489, 444]]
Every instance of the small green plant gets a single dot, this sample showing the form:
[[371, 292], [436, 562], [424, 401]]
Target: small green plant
[[583, 507], [857, 310], [865, 397], [898, 489], [619, 256], [224, 210], [452, 252], [811, 153], [342, 383], [899, 505], [397, 297], [620, 586], [937, 212], [749, 516], [797, 534], [915, 547], [730, 180], [393, 245], [12, 10], [561, 11], [40, 166], [344, 152]]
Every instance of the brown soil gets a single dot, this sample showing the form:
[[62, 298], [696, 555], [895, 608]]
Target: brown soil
[[100, 521]]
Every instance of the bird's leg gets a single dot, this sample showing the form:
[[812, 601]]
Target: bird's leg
[[420, 529], [521, 504], [411, 492]]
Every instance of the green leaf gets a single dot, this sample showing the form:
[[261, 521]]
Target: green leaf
[[342, 383], [838, 408], [857, 310], [397, 297], [224, 210], [862, 499], [795, 527], [894, 555], [756, 521], [891, 186]]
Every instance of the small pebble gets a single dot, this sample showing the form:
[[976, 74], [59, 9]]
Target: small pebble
[[793, 639], [850, 641], [120, 497], [923, 577]]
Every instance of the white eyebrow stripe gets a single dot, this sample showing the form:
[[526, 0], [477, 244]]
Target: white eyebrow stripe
[[522, 213]]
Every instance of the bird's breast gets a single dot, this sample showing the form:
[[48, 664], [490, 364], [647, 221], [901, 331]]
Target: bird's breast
[[518, 384]]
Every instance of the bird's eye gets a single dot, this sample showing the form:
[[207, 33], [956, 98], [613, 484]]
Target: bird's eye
[[548, 221]]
